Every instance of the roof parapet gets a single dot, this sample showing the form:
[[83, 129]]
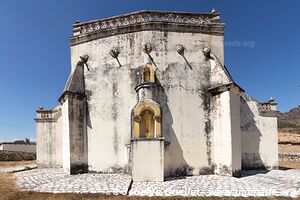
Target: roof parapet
[[147, 20]]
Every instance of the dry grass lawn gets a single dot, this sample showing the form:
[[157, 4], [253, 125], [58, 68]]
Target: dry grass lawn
[[16, 163], [289, 165], [289, 148], [9, 191]]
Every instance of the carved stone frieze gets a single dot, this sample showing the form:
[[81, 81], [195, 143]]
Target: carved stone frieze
[[147, 20]]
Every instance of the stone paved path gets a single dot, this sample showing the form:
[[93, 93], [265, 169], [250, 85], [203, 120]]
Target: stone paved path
[[54, 180], [273, 183], [277, 183]]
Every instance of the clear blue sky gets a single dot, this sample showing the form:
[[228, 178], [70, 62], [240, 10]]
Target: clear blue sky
[[35, 58]]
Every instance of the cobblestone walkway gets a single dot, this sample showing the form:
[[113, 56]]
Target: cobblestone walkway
[[273, 183], [54, 180]]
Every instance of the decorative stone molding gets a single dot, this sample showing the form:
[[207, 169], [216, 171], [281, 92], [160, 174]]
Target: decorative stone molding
[[270, 105], [47, 115], [147, 20], [206, 52], [147, 48], [226, 87], [114, 53], [68, 94], [268, 109]]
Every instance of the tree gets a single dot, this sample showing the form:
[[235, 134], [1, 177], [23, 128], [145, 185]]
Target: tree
[[27, 140]]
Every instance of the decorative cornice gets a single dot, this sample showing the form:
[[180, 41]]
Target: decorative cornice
[[67, 94], [47, 115], [147, 20], [226, 87]]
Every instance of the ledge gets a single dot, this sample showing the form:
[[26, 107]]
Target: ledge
[[43, 120], [268, 113], [225, 87], [150, 139], [65, 94]]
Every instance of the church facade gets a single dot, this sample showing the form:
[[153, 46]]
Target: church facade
[[149, 95]]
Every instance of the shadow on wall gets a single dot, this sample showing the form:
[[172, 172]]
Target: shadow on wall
[[175, 164], [251, 137], [88, 122], [88, 94]]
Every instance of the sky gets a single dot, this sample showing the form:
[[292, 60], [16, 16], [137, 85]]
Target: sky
[[261, 49]]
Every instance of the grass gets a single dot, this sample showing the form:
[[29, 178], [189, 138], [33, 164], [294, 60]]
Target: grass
[[289, 165], [9, 191], [16, 163]]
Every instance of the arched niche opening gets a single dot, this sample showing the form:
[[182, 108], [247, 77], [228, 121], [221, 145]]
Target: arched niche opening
[[146, 120], [148, 74]]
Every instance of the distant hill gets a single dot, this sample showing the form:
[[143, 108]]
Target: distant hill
[[289, 121]]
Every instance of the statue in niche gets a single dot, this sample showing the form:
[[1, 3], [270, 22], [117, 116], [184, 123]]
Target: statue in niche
[[147, 74], [147, 124]]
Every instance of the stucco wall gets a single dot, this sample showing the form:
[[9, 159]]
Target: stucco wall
[[18, 147], [235, 132], [226, 136], [259, 136], [65, 136], [152, 168], [49, 142], [77, 134], [221, 133], [183, 96]]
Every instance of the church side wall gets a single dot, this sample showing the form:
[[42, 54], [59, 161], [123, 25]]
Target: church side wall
[[65, 136], [221, 133], [259, 136], [183, 97], [226, 136], [49, 143], [58, 142]]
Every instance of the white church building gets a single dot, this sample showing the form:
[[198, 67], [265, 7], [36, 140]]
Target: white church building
[[149, 95]]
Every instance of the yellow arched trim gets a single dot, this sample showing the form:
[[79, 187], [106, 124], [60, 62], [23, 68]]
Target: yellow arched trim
[[138, 109]]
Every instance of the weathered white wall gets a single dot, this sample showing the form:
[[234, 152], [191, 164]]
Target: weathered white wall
[[49, 142], [18, 147], [259, 136], [221, 133], [66, 136], [184, 99], [235, 100], [226, 136], [74, 133], [148, 160]]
